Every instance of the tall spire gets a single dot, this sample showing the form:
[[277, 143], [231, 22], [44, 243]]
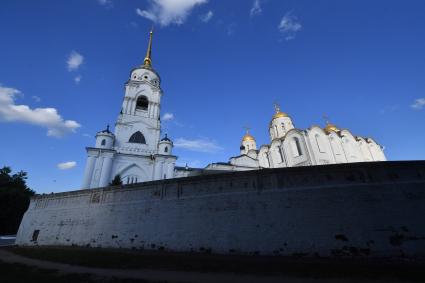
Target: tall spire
[[148, 61]]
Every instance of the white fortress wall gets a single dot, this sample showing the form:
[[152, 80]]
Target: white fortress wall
[[366, 209]]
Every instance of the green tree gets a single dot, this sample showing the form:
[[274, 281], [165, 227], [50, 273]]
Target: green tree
[[14, 199], [116, 181]]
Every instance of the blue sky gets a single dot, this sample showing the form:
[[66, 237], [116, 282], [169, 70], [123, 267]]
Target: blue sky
[[223, 64]]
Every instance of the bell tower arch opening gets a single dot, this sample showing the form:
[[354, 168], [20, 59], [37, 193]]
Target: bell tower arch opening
[[142, 103]]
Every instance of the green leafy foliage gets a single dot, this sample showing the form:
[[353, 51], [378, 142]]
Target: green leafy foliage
[[116, 181], [14, 199]]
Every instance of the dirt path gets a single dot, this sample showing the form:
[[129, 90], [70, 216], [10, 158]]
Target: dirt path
[[166, 275]]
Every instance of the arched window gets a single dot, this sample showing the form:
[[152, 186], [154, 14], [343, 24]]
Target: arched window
[[142, 103], [137, 137], [319, 143], [335, 146], [103, 142], [166, 149], [279, 157], [296, 147], [279, 149]]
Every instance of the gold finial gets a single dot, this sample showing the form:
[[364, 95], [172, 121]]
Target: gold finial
[[148, 61], [278, 114], [326, 118], [277, 107], [247, 136], [247, 128]]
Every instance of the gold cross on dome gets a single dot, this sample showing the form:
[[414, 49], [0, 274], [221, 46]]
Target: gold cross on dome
[[326, 118], [277, 107]]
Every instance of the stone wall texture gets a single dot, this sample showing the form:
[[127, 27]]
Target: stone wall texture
[[374, 209]]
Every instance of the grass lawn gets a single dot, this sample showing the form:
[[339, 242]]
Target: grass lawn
[[202, 262], [18, 273]]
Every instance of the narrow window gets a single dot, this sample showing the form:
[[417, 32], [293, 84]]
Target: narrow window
[[335, 146], [128, 180], [142, 103], [295, 147], [283, 127], [267, 159], [103, 142], [35, 235], [137, 137], [166, 149], [319, 143], [165, 176], [280, 153]]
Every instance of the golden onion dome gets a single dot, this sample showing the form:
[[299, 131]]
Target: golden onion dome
[[330, 128], [248, 137], [280, 114]]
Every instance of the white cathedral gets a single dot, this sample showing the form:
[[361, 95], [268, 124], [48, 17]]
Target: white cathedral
[[136, 152]]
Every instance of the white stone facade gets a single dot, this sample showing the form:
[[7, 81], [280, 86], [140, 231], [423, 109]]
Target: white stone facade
[[135, 151], [291, 147], [286, 211]]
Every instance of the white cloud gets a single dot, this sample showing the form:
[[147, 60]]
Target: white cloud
[[74, 61], [36, 98], [168, 117], [67, 165], [207, 17], [389, 109], [289, 26], [256, 9], [45, 117], [418, 104], [77, 79], [230, 29], [106, 3], [199, 145], [166, 12]]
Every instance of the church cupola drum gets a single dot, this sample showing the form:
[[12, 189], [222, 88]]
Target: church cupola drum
[[134, 151]]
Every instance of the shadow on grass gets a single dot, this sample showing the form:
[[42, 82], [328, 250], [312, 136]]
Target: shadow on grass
[[19, 273], [359, 268]]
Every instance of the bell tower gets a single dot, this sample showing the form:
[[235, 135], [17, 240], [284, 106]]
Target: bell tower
[[137, 129], [134, 152]]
